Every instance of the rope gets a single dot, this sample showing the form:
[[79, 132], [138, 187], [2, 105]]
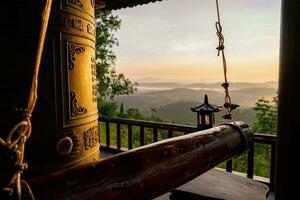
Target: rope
[[22, 130], [227, 100]]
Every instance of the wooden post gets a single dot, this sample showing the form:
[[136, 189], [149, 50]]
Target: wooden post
[[142, 136], [107, 131], [118, 136], [287, 163], [155, 134], [129, 136]]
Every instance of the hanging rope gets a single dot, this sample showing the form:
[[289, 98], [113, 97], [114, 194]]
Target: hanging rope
[[227, 101], [16, 139]]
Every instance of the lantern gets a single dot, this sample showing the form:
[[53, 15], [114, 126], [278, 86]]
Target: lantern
[[205, 114]]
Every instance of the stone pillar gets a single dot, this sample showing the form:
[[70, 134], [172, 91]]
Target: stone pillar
[[65, 121]]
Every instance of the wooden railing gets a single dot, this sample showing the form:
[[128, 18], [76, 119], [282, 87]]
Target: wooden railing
[[259, 139], [169, 130], [155, 126]]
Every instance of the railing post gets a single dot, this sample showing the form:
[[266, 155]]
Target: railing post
[[118, 136], [250, 163], [142, 135], [229, 165], [155, 134], [107, 131], [272, 170], [170, 133], [129, 136]]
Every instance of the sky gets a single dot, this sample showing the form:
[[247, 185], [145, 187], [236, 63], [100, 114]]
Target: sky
[[176, 40]]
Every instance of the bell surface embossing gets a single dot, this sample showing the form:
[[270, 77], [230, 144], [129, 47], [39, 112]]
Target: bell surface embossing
[[65, 121]]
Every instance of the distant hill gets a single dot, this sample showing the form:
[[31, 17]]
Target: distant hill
[[174, 103], [234, 86], [212, 86], [180, 113], [145, 100], [160, 84]]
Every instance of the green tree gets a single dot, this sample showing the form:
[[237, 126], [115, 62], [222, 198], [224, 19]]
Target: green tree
[[122, 108], [108, 109], [110, 83], [133, 113], [266, 122], [266, 116]]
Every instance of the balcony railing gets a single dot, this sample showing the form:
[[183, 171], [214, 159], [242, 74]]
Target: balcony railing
[[159, 131]]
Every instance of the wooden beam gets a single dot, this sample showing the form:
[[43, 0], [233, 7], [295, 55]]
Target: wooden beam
[[217, 184], [99, 4], [148, 171], [118, 4], [287, 162], [149, 124]]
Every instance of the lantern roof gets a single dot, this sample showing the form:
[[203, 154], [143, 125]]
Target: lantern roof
[[118, 4], [206, 107]]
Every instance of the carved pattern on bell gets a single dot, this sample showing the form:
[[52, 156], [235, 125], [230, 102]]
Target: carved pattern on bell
[[76, 3], [94, 79], [72, 50], [75, 108], [74, 23], [91, 137], [91, 29], [93, 3], [76, 150]]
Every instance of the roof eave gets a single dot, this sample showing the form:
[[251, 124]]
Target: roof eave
[[119, 4]]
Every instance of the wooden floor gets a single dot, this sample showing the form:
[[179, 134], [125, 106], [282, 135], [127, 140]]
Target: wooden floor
[[218, 184], [164, 197], [105, 154]]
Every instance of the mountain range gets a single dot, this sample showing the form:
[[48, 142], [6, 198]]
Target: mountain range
[[172, 101]]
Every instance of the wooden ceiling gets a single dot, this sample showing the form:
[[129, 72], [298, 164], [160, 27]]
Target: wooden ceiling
[[118, 4]]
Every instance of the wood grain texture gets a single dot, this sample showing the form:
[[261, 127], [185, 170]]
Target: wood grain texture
[[218, 184], [148, 171]]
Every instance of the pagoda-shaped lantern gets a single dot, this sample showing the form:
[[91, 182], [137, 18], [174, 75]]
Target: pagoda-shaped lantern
[[205, 114]]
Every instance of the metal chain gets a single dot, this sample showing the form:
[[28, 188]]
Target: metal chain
[[227, 101], [18, 135]]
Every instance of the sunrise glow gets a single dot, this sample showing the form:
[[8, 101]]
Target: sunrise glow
[[176, 41]]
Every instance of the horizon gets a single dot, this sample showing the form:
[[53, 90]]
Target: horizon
[[184, 81], [171, 40], [155, 86]]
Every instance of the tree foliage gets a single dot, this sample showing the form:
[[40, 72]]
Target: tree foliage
[[132, 113], [108, 109], [110, 83], [266, 116], [266, 123]]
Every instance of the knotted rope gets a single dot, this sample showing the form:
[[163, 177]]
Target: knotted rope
[[227, 101]]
